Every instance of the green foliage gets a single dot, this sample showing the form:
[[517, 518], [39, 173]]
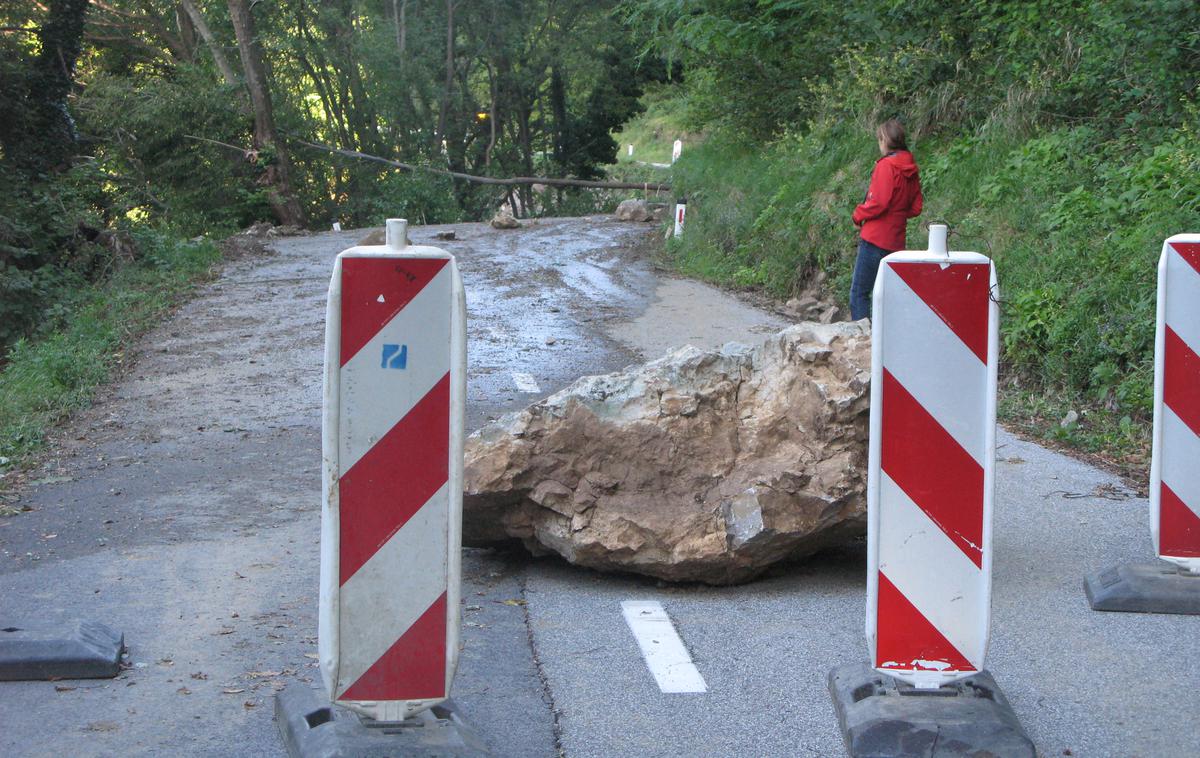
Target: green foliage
[[1118, 439], [154, 165], [762, 68], [36, 77], [420, 197], [42, 255], [771, 217], [653, 132], [43, 380], [586, 141]]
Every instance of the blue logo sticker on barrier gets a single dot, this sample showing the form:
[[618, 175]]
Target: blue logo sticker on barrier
[[394, 356]]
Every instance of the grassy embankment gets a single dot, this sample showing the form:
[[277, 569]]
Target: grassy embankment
[[653, 133], [1075, 226], [44, 379]]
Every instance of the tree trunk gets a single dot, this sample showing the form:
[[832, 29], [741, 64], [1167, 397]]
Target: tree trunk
[[558, 106], [361, 111], [197, 18], [278, 176], [187, 34], [449, 81], [318, 68], [400, 16], [40, 135], [487, 154], [333, 112]]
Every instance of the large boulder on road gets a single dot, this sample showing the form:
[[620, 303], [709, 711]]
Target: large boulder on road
[[699, 466]]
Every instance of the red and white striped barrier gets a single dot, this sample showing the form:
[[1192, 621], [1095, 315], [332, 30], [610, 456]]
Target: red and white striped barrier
[[391, 521], [1175, 466], [931, 466]]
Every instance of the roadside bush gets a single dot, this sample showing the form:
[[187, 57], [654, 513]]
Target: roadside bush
[[85, 333], [372, 196], [154, 166]]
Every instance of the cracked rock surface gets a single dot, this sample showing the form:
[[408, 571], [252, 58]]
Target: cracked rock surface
[[698, 466]]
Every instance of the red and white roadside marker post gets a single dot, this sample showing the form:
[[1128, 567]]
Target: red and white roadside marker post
[[680, 213], [391, 517], [931, 469], [1173, 584]]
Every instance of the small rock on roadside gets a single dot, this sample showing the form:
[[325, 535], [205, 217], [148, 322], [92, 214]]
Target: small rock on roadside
[[808, 307], [505, 220], [447, 236], [633, 210]]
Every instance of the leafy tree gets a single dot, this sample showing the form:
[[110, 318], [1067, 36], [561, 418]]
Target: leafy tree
[[37, 132]]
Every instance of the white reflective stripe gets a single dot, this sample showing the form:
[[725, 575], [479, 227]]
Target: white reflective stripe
[[373, 398], [935, 366], [1180, 459], [389, 593], [663, 650], [1183, 300], [931, 571]]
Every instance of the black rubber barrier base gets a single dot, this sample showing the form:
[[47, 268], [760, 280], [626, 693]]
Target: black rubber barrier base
[[882, 717], [1144, 588], [313, 728], [88, 651]]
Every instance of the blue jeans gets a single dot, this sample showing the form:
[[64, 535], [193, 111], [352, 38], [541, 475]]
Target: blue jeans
[[866, 266]]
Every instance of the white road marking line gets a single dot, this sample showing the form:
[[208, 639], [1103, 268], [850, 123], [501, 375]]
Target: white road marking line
[[665, 655], [525, 382]]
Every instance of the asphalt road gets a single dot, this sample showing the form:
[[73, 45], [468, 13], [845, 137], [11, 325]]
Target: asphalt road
[[184, 510]]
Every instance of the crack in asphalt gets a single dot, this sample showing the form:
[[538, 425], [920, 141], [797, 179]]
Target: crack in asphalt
[[547, 690]]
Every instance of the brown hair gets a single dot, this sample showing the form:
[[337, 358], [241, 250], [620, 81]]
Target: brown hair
[[892, 134]]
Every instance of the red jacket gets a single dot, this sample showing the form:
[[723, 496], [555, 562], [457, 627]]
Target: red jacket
[[893, 197]]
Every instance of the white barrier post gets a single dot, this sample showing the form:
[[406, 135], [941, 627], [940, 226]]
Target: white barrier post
[[676, 150], [1174, 477], [932, 461], [931, 469], [680, 212], [391, 521]]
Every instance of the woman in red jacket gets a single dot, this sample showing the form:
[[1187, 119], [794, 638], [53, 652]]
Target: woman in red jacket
[[892, 199]]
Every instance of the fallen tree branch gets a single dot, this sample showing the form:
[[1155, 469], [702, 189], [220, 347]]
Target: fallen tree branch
[[241, 150], [548, 181]]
